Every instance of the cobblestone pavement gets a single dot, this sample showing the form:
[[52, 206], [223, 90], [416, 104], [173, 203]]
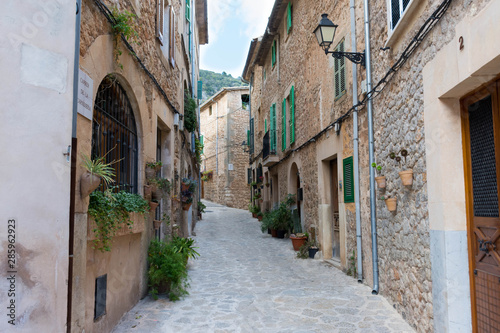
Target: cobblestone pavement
[[246, 281]]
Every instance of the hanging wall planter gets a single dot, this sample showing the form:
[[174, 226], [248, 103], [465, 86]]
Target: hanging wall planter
[[406, 177], [380, 181], [157, 224], [391, 204], [88, 183], [186, 206], [153, 205], [147, 191]]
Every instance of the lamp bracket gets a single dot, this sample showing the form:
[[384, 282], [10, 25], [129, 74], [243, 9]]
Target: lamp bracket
[[355, 57]]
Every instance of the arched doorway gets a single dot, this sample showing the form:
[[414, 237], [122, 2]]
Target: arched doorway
[[114, 133], [295, 189]]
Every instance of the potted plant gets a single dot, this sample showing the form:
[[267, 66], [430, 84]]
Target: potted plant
[[157, 224], [405, 175], [152, 168], [391, 203], [254, 210], [96, 170], [185, 247], [267, 184], [153, 204], [261, 179], [188, 187], [253, 184], [380, 179], [162, 184], [201, 209], [260, 216], [298, 240], [283, 218]]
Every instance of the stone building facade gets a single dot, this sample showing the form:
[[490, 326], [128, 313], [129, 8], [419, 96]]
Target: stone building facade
[[224, 124], [129, 94], [432, 261]]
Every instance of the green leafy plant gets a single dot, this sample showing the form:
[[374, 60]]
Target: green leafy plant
[[253, 209], [162, 183], [253, 184], [190, 122], [185, 247], [167, 270], [351, 270], [311, 243], [377, 167], [198, 150], [154, 165], [283, 217], [123, 25], [201, 207], [267, 220], [111, 212], [99, 168]]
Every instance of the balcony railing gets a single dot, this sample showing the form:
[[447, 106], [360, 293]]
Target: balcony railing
[[269, 156]]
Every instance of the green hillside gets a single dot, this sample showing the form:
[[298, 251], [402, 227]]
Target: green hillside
[[213, 82]]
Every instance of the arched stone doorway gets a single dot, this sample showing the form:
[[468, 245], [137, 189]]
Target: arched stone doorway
[[294, 188]]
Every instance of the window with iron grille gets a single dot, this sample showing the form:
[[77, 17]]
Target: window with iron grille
[[114, 133], [396, 10], [339, 72]]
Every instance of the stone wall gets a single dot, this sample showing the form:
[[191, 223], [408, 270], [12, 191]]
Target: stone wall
[[227, 128]]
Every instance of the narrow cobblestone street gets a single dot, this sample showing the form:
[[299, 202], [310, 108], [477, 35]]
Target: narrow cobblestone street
[[246, 281]]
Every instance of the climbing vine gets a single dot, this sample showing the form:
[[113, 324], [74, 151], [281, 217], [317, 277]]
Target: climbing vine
[[124, 25]]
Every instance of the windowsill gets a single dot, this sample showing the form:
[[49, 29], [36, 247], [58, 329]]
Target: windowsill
[[404, 23]]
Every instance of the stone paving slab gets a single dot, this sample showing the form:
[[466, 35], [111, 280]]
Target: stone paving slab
[[246, 281]]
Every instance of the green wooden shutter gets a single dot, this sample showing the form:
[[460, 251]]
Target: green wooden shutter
[[188, 10], [273, 128], [265, 126], [273, 53], [251, 136], [200, 89], [339, 70], [248, 138], [348, 180], [249, 175], [292, 115], [283, 126], [289, 18]]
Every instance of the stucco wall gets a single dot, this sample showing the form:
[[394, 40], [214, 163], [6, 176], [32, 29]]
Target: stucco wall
[[36, 48]]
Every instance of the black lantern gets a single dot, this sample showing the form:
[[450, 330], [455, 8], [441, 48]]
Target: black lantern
[[325, 32]]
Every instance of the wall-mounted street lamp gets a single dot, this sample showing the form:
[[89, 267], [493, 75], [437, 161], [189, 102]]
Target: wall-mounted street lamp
[[325, 32]]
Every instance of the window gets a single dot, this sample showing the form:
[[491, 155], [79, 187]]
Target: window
[[291, 101], [339, 70], [165, 30], [289, 17], [396, 10], [273, 54], [348, 180], [188, 10], [283, 126], [273, 128], [210, 110], [249, 175], [100, 296], [114, 133]]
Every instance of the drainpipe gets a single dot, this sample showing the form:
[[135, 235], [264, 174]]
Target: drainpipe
[[249, 120], [356, 146], [74, 142], [217, 138], [373, 199]]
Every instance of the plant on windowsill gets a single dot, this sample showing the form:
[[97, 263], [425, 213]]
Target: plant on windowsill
[[405, 175], [379, 179], [97, 170], [188, 187], [190, 122], [167, 272], [111, 212]]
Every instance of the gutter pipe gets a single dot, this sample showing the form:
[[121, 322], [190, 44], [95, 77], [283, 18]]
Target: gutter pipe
[[373, 201], [356, 146], [249, 119]]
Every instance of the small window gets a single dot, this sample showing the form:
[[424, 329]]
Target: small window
[[100, 296], [348, 180], [289, 17], [273, 53], [245, 99], [339, 70], [396, 10], [210, 110]]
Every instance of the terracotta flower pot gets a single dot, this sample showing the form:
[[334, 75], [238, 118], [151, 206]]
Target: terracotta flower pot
[[274, 232], [157, 224], [147, 191], [186, 206], [184, 187], [391, 204], [88, 183], [297, 242], [153, 205], [260, 217], [150, 173], [254, 215], [380, 181], [406, 177]]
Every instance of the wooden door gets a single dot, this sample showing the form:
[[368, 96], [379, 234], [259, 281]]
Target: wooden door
[[481, 129]]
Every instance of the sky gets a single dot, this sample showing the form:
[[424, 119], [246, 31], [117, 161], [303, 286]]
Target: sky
[[232, 24]]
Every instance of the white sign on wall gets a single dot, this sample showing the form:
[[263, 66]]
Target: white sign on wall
[[85, 89], [230, 167]]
